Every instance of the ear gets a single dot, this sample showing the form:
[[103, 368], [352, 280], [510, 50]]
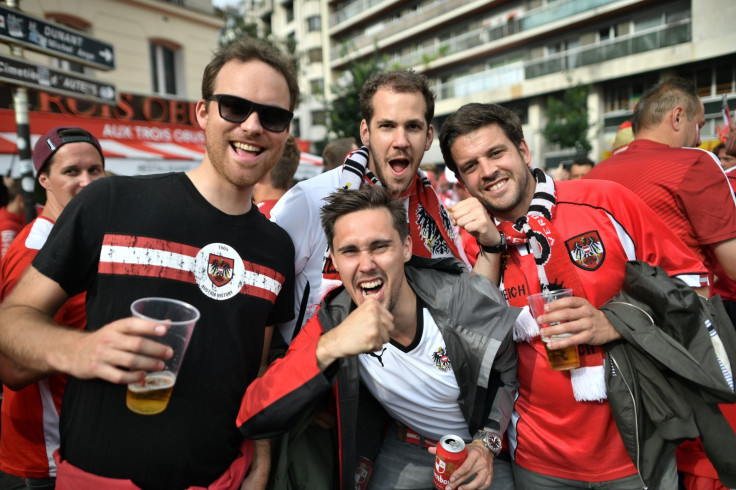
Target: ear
[[430, 136], [407, 248], [677, 118], [334, 264], [364, 132], [526, 155], [43, 179], [202, 114]]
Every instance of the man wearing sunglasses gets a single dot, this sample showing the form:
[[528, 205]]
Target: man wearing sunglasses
[[194, 237]]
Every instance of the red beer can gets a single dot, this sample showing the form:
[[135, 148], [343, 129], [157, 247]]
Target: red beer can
[[363, 473], [451, 453]]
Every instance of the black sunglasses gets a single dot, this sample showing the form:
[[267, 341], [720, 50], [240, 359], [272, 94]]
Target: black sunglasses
[[237, 109]]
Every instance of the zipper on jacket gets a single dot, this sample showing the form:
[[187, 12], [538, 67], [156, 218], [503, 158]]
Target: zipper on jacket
[[636, 419]]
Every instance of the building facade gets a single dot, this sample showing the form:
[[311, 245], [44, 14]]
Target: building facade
[[161, 49], [518, 53]]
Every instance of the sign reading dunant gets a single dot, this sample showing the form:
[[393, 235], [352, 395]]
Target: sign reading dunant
[[53, 39]]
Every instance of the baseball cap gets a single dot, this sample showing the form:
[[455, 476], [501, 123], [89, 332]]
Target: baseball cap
[[57, 137]]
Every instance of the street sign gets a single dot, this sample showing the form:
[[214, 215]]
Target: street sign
[[20, 72], [55, 40]]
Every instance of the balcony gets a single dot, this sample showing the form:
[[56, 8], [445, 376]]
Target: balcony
[[456, 44], [516, 72], [394, 26], [558, 11], [494, 78], [640, 42], [349, 10], [529, 20]]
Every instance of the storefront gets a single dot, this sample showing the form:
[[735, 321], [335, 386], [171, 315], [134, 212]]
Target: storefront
[[141, 135]]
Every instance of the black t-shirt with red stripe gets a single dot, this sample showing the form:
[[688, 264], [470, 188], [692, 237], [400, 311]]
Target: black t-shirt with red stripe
[[124, 238]]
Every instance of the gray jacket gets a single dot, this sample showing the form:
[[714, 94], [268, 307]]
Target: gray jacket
[[665, 379], [476, 325]]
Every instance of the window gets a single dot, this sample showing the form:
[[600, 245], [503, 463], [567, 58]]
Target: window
[[314, 23], [164, 71], [724, 79], [319, 117], [315, 55], [317, 86], [289, 10]]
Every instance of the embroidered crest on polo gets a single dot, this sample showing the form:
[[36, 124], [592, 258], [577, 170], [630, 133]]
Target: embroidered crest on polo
[[219, 271], [587, 250], [441, 360]]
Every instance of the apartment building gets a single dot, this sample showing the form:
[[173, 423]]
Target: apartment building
[[518, 53], [161, 48]]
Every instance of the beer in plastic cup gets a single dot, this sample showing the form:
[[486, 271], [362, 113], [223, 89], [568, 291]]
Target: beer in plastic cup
[[559, 359], [151, 396]]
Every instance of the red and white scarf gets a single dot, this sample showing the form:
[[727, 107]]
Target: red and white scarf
[[555, 271], [432, 233]]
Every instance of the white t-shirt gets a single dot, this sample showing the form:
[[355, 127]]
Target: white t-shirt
[[298, 212], [416, 384]]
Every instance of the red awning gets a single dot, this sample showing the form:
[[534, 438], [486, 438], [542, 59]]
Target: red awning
[[135, 141]]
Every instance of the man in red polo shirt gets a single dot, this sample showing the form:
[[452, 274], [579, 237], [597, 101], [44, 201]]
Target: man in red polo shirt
[[688, 189], [684, 185]]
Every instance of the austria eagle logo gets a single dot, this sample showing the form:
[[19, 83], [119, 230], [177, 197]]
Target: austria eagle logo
[[587, 250], [441, 360], [220, 270]]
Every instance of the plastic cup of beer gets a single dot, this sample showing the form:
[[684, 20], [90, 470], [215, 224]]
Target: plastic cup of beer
[[559, 359], [151, 396]]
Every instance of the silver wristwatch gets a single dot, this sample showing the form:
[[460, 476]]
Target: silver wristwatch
[[490, 440]]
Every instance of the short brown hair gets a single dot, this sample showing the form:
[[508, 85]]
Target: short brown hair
[[346, 201], [474, 116], [247, 49], [334, 153], [283, 172], [657, 101], [401, 81]]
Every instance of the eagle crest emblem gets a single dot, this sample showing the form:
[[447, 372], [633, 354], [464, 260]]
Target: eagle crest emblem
[[586, 250], [220, 269], [441, 360]]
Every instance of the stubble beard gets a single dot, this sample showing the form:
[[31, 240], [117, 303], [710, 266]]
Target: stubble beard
[[388, 181], [500, 211]]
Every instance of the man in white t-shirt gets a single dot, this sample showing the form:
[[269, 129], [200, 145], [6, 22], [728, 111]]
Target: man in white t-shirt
[[429, 343], [396, 130]]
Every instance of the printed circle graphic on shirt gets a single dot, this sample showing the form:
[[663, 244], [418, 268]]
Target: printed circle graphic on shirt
[[219, 271]]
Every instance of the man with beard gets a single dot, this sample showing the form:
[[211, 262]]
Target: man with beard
[[396, 130], [426, 341], [563, 433], [123, 238]]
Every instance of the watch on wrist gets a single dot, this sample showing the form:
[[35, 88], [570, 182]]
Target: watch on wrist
[[490, 440], [496, 249]]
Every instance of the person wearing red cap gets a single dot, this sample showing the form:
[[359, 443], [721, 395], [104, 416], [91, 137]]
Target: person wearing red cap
[[195, 237], [66, 159]]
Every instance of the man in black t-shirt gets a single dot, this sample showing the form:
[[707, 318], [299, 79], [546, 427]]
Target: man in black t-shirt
[[159, 236]]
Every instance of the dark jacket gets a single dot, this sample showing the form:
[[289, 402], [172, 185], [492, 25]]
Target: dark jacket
[[476, 325], [665, 379]]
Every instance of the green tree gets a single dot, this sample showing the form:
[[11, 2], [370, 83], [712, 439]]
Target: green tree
[[239, 25], [567, 119], [343, 111]]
